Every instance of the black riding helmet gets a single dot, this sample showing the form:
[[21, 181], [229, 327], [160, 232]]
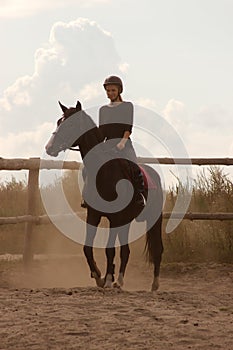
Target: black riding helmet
[[114, 80]]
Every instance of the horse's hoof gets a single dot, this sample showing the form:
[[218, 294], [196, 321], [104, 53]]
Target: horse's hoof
[[116, 285], [155, 284], [98, 280], [119, 282], [108, 281]]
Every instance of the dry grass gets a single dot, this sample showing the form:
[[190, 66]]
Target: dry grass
[[203, 240], [192, 241]]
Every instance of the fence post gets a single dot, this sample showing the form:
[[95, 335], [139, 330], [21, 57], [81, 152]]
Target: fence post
[[33, 189]]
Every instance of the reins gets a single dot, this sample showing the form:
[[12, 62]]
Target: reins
[[74, 149]]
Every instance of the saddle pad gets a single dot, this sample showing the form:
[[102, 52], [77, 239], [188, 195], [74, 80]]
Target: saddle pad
[[148, 181]]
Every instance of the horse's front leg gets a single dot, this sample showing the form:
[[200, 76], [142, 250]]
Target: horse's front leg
[[109, 277], [122, 234], [93, 220], [110, 255], [124, 256]]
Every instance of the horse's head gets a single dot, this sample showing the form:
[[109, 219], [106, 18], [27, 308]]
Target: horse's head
[[74, 128], [66, 134]]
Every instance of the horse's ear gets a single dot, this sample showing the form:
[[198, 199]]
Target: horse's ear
[[78, 106], [64, 108]]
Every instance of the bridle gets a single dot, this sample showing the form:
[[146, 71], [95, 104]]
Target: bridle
[[70, 148], [63, 145], [75, 149]]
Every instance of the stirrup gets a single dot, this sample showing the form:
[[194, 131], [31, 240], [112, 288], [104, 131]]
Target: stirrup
[[140, 200], [83, 204], [141, 203]]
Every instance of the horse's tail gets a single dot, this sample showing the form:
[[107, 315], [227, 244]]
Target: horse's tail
[[154, 244]]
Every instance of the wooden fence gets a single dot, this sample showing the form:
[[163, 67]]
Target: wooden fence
[[34, 165]]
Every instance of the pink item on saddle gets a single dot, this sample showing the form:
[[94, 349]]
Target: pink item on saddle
[[148, 181]]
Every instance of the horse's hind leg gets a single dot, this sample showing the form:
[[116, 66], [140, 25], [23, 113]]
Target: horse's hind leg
[[155, 250]]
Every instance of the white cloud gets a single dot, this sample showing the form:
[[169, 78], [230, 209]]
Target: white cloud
[[89, 92], [124, 67], [205, 133], [72, 59], [23, 8], [26, 144], [214, 116], [70, 67], [17, 94], [175, 112], [147, 103]]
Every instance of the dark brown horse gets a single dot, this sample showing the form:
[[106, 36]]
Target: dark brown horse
[[109, 192]]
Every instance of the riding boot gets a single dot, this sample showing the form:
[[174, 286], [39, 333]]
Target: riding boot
[[83, 203], [84, 175], [138, 181]]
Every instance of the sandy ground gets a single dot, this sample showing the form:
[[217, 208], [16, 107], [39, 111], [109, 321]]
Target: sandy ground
[[55, 305]]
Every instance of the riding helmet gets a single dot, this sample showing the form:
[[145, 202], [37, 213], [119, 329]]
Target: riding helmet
[[114, 80]]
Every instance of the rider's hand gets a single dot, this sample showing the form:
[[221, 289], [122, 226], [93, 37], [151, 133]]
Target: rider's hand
[[121, 145]]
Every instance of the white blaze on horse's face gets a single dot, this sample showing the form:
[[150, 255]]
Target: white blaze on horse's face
[[49, 144], [58, 141], [53, 147]]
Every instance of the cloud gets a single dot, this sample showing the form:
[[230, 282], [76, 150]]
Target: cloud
[[124, 67], [175, 112], [23, 8], [205, 133], [17, 94], [89, 92], [26, 144], [147, 103], [213, 116], [72, 58], [71, 65]]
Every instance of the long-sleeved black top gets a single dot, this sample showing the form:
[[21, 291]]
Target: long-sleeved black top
[[114, 121]]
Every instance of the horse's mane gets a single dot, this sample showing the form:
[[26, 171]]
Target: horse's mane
[[91, 135]]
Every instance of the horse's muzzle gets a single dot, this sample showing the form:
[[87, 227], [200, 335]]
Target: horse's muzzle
[[50, 151]]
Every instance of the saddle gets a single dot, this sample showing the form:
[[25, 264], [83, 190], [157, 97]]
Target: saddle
[[137, 175], [149, 182]]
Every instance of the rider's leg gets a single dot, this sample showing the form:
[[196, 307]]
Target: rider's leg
[[136, 176]]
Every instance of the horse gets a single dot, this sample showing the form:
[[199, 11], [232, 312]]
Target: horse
[[104, 172]]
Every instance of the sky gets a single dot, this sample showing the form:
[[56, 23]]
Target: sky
[[175, 58]]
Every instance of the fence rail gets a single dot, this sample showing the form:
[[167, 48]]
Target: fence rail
[[37, 163], [44, 219], [34, 165]]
